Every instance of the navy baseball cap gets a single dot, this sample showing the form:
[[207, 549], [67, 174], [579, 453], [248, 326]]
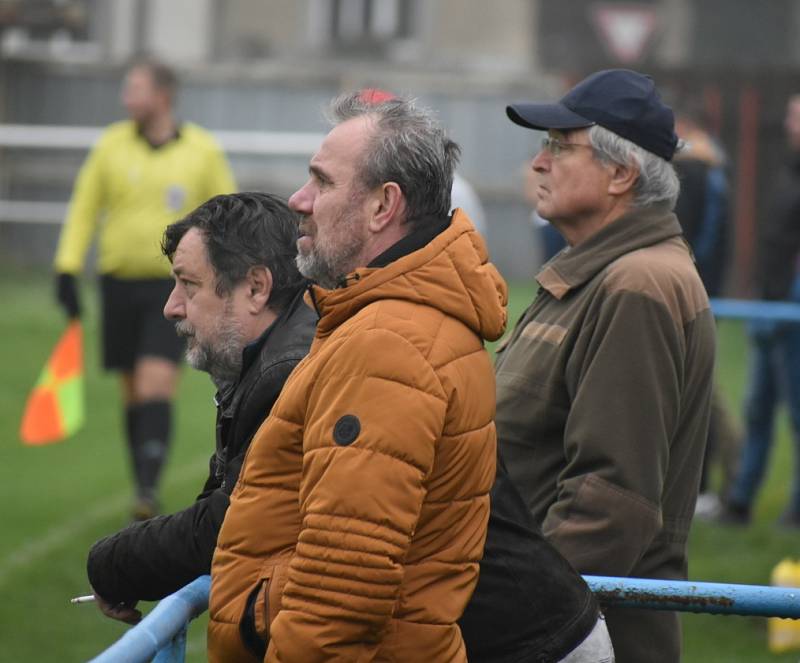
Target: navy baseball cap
[[623, 101]]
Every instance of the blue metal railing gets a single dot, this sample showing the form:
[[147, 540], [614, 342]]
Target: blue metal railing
[[163, 632], [686, 596], [746, 309]]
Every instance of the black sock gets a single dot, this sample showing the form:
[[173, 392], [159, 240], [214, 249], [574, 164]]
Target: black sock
[[131, 426], [149, 444]]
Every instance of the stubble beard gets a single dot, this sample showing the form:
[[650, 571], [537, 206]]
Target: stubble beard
[[327, 264], [221, 357]]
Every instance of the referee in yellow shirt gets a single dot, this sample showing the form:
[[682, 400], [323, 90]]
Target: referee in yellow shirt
[[141, 175]]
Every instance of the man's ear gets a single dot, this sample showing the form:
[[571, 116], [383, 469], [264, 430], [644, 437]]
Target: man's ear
[[623, 179], [259, 288], [387, 205]]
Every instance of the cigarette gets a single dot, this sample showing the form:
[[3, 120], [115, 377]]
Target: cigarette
[[83, 599]]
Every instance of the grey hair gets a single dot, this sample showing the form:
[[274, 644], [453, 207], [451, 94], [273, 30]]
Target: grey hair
[[408, 147], [657, 182]]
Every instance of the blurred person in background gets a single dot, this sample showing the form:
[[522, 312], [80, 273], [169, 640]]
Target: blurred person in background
[[703, 206], [141, 175], [774, 371], [703, 209], [604, 386], [463, 195], [238, 299]]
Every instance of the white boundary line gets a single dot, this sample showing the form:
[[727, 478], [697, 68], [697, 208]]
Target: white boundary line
[[40, 547]]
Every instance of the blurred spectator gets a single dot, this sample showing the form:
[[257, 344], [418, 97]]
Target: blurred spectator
[[774, 347], [141, 175], [703, 209], [463, 195], [703, 204]]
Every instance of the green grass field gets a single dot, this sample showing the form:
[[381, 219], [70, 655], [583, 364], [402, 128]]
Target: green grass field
[[57, 500]]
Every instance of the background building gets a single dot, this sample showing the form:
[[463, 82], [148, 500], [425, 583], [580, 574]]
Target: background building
[[270, 65]]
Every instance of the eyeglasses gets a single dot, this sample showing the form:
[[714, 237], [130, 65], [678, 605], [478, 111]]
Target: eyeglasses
[[556, 146]]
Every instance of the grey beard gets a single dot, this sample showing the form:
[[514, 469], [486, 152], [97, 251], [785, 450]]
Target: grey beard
[[223, 360], [223, 364], [318, 270]]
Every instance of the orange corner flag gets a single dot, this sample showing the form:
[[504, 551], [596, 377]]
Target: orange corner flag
[[55, 408]]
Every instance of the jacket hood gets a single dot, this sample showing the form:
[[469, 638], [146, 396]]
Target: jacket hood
[[452, 273]]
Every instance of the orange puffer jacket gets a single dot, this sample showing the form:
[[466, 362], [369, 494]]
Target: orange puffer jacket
[[356, 527]]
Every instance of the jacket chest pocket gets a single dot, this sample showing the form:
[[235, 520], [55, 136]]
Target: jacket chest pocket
[[262, 606]]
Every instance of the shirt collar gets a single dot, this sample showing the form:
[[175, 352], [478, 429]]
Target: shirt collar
[[155, 146], [252, 350]]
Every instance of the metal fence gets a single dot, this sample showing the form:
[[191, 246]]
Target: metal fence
[[162, 634]]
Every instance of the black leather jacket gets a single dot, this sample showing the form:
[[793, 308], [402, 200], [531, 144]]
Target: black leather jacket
[[152, 559], [530, 606]]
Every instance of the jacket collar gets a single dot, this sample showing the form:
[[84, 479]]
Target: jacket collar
[[426, 229], [252, 350], [636, 229]]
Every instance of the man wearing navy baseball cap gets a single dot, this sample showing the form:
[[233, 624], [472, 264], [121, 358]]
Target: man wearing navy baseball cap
[[603, 388]]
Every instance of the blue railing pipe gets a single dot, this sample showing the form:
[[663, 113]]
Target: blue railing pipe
[[688, 596], [165, 627], [747, 309]]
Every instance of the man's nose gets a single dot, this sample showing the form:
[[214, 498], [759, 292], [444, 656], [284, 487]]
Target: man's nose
[[174, 309], [541, 162], [300, 200]]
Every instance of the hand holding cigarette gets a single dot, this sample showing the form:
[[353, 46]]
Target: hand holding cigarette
[[124, 612]]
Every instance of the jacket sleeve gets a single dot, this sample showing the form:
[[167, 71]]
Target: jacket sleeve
[[152, 559], [374, 414], [149, 560], [624, 379], [84, 210]]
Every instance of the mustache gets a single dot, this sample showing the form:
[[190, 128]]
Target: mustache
[[306, 227], [184, 328]]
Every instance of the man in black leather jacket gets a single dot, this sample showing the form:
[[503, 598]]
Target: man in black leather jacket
[[238, 298]]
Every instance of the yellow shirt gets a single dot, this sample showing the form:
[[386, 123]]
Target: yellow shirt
[[134, 191]]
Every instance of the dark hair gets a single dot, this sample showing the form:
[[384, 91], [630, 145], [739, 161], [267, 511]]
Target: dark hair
[[409, 147], [241, 231], [164, 76]]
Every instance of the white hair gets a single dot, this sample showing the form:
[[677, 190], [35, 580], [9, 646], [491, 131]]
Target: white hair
[[657, 183]]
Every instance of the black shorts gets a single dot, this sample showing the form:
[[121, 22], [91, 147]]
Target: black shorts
[[134, 325]]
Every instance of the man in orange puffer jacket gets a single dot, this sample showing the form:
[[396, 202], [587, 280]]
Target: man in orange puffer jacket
[[358, 522]]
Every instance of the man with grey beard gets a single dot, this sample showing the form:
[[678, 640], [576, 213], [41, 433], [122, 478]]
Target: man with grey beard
[[237, 300]]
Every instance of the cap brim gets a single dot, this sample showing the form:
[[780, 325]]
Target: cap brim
[[546, 116]]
